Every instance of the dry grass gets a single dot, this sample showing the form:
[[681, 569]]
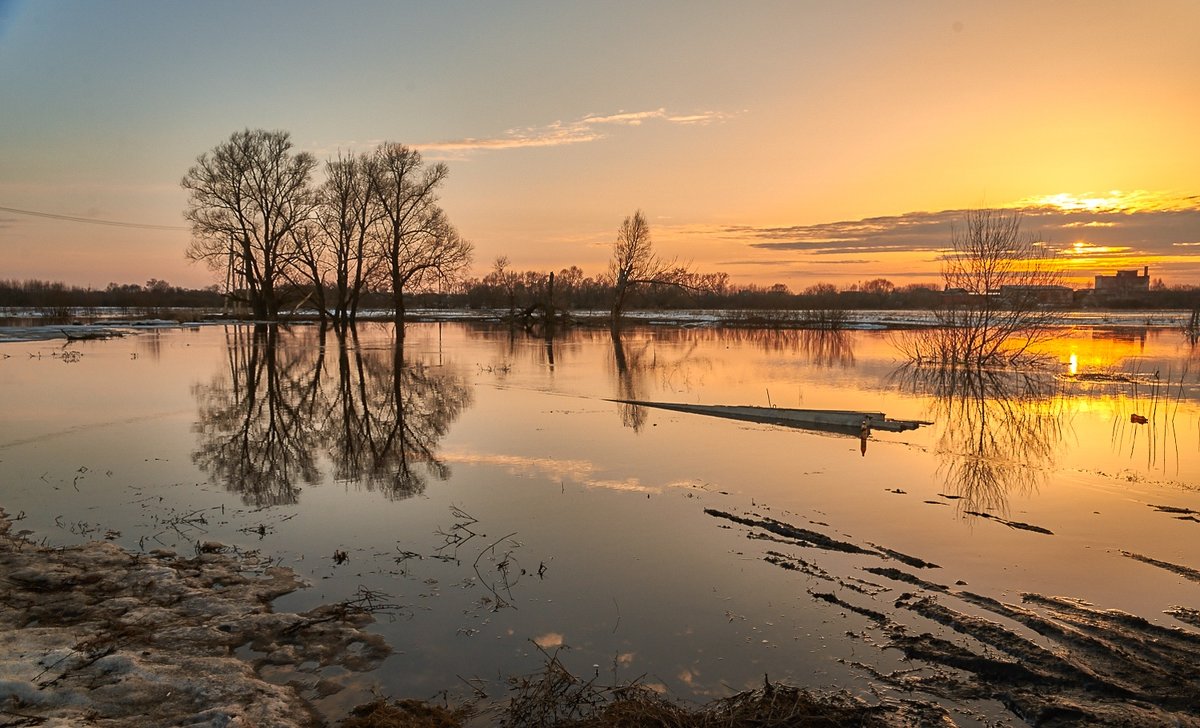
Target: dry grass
[[402, 714], [772, 706], [555, 697]]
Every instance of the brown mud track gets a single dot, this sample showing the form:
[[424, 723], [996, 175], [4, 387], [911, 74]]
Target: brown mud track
[[1186, 572], [94, 635], [1050, 660]]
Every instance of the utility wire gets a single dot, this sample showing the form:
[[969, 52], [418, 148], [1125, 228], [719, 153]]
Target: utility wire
[[93, 221]]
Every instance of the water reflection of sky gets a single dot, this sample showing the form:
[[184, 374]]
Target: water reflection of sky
[[479, 466]]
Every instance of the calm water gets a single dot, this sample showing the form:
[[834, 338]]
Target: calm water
[[484, 482]]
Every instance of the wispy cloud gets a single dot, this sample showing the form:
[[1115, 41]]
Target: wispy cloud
[[589, 128]]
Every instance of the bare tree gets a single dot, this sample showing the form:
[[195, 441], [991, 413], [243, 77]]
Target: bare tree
[[309, 265], [996, 284], [506, 279], [247, 197], [348, 212], [877, 287], [634, 263], [417, 246]]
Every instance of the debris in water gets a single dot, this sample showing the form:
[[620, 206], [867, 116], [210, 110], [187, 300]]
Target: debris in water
[[1011, 524]]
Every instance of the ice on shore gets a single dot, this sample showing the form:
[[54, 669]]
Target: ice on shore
[[94, 635]]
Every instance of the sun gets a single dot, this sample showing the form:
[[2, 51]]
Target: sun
[[1113, 201], [1082, 247], [1072, 203]]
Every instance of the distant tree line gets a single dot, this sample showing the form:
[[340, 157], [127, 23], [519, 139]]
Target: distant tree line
[[512, 291], [52, 297], [509, 289], [506, 288]]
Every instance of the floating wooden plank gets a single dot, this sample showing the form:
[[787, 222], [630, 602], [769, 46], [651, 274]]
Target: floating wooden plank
[[850, 422]]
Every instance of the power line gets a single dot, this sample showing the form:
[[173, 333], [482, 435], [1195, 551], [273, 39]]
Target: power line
[[93, 221]]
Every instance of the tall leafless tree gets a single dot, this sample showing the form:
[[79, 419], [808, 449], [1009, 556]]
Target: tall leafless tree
[[634, 263], [308, 269], [247, 197], [417, 245], [996, 281], [348, 212]]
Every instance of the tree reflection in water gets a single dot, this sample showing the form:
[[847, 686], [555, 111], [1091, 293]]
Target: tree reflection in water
[[255, 423], [1000, 431], [825, 348], [263, 425], [390, 417], [632, 366], [630, 369]]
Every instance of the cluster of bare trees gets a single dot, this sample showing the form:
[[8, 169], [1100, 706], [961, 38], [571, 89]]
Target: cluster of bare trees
[[54, 299], [372, 223]]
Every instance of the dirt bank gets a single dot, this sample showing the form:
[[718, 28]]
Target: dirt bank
[[94, 635]]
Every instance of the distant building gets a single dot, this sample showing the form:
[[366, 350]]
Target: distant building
[[1126, 283]]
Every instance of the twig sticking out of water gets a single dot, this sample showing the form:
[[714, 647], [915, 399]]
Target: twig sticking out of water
[[365, 602], [503, 567]]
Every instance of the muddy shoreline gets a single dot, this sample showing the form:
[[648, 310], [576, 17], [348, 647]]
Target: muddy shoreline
[[1049, 660], [94, 635]]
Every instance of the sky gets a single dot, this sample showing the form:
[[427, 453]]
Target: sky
[[781, 142]]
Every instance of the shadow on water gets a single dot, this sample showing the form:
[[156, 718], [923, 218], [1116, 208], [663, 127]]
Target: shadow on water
[[282, 406], [999, 432]]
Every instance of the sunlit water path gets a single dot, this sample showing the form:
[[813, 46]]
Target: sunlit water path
[[484, 482]]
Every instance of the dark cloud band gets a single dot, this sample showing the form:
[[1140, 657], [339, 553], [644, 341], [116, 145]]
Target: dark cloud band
[[1131, 232]]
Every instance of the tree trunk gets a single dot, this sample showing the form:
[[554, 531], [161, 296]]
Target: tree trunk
[[259, 304], [398, 303]]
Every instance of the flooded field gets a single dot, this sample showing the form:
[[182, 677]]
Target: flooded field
[[484, 487]]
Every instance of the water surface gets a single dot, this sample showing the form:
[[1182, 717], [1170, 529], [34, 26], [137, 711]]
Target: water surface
[[485, 482]]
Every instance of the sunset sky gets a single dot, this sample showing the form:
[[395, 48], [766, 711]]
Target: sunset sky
[[794, 142]]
